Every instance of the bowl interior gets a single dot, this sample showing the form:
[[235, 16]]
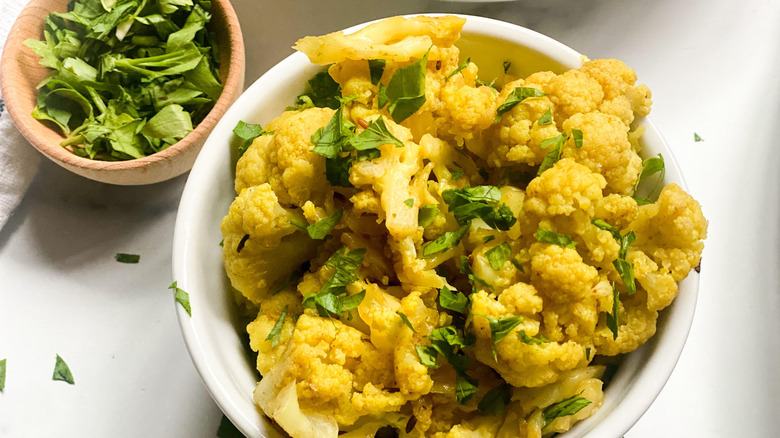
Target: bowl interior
[[21, 72], [217, 341]]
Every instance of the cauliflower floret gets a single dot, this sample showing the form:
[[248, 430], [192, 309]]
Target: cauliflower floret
[[605, 150], [286, 162], [671, 231], [636, 324], [574, 92], [659, 284], [467, 109], [560, 274], [354, 78], [261, 246], [258, 330], [564, 189], [621, 97], [618, 211]]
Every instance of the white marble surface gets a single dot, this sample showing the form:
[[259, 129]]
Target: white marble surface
[[713, 68]]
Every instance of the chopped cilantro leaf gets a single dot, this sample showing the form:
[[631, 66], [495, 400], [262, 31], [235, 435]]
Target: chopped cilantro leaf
[[479, 202], [530, 340], [551, 237], [564, 408], [332, 298], [406, 321], [612, 318], [448, 240], [498, 255], [650, 167], [545, 119], [322, 227], [409, 202], [427, 215], [554, 154], [517, 95], [500, 328], [406, 90], [323, 92], [626, 271], [507, 64], [495, 401], [453, 300], [576, 134], [127, 258], [457, 174], [457, 70], [247, 132], [696, 137], [587, 353], [2, 374], [466, 387], [427, 355], [62, 372], [181, 297], [276, 331], [517, 265], [376, 68], [377, 134]]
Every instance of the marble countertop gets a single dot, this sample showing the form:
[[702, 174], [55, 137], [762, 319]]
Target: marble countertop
[[713, 68]]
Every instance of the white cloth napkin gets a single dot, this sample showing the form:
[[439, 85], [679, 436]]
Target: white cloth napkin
[[19, 161]]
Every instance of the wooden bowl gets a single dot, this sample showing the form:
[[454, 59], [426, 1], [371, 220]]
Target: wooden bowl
[[20, 73]]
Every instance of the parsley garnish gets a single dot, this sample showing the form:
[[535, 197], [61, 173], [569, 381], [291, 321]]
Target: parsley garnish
[[487, 84], [427, 214], [479, 202], [576, 134], [650, 167], [551, 237], [181, 297], [427, 355], [545, 119], [444, 242], [127, 258], [498, 255], [62, 372], [406, 90], [517, 95], [554, 154], [488, 238], [612, 318], [564, 408], [500, 328], [382, 99], [517, 265], [276, 331], [507, 64], [624, 268], [465, 268], [323, 92], [247, 132], [587, 353], [444, 341], [377, 134], [456, 174], [409, 202], [453, 300], [322, 227], [406, 321], [2, 374], [696, 137], [495, 401], [376, 68], [332, 298], [227, 429], [457, 70], [330, 140], [530, 340]]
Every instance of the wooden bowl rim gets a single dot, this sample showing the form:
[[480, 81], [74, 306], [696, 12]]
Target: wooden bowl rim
[[28, 125]]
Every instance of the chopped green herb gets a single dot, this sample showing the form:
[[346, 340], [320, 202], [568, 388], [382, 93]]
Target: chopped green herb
[[517, 265], [612, 318], [487, 84], [517, 95], [696, 137], [247, 132], [62, 372], [330, 140], [227, 429], [241, 243], [291, 279], [322, 227], [465, 268], [382, 98], [453, 300], [457, 70], [406, 90], [332, 298], [545, 119], [127, 258], [222, 243], [323, 92], [427, 215], [530, 340], [500, 328], [181, 297], [564, 408], [409, 202], [601, 223], [427, 355], [624, 268], [276, 331], [650, 167], [376, 68], [626, 271], [488, 238], [519, 177], [337, 170], [448, 240], [507, 64], [551, 237], [377, 134], [554, 154], [587, 353], [625, 241], [495, 401], [466, 387], [457, 174], [481, 202], [2, 374], [444, 341], [498, 255], [576, 134], [406, 321], [127, 81]]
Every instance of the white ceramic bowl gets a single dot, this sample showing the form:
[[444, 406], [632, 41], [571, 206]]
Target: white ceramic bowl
[[217, 341]]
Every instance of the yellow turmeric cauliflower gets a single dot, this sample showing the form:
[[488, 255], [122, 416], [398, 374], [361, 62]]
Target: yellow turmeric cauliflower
[[435, 258]]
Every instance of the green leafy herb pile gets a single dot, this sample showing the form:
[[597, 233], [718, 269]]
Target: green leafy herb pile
[[130, 77]]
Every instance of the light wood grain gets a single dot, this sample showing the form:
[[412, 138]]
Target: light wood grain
[[20, 73]]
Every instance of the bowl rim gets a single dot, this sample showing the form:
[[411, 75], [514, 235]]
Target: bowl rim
[[231, 87], [674, 323]]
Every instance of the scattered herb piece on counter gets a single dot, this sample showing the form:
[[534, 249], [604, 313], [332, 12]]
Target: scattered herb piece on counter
[[406, 90], [227, 429], [453, 300], [2, 374], [460, 67], [376, 68], [128, 80], [276, 331], [248, 132], [494, 402], [650, 167], [127, 258], [554, 154], [406, 321], [498, 255], [517, 95], [62, 372], [427, 214], [321, 228], [181, 297], [553, 238], [564, 408], [696, 137], [612, 318], [545, 119]]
